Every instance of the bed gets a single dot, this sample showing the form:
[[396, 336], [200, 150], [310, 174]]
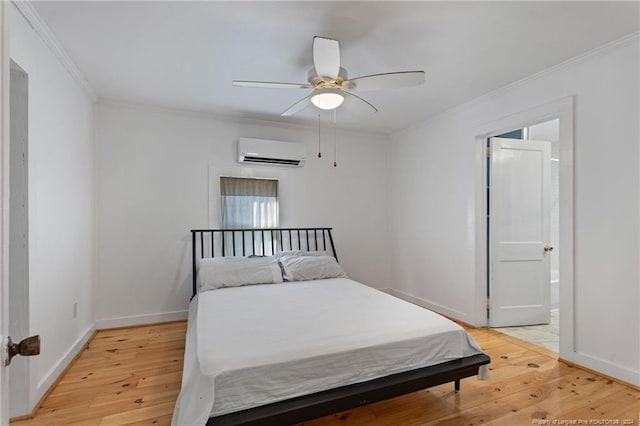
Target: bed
[[285, 352]]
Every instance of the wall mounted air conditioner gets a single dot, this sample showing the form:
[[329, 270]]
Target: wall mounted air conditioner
[[262, 151]]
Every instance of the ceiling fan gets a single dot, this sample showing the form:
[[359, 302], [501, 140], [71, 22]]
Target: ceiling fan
[[330, 83]]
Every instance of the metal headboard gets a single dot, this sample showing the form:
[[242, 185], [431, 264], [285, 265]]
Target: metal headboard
[[261, 242]]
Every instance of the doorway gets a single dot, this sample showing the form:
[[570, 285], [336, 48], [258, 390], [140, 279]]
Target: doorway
[[523, 233], [562, 109], [19, 376]]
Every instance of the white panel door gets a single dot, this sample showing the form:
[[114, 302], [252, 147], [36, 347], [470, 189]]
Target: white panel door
[[519, 216], [18, 229], [4, 113]]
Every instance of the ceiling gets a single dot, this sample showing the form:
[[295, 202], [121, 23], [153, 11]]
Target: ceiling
[[185, 54]]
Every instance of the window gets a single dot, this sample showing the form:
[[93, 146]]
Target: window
[[249, 202]]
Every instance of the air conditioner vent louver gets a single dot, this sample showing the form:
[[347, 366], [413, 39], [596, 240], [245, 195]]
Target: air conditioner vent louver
[[267, 152], [249, 159]]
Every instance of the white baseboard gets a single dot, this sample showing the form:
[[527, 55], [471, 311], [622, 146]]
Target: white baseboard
[[606, 367], [432, 306], [56, 371], [141, 319], [593, 363]]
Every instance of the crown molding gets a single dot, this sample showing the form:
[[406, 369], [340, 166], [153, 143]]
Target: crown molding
[[607, 47], [36, 22], [230, 118]]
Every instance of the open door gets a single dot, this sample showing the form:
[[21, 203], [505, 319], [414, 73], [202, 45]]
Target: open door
[[4, 136], [13, 141], [519, 210], [17, 231]]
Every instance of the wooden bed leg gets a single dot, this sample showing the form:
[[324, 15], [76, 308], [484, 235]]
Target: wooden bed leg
[[457, 385]]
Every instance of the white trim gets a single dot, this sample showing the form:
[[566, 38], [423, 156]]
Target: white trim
[[36, 22], [141, 319], [51, 376], [432, 306], [239, 170], [615, 44], [607, 367], [562, 109]]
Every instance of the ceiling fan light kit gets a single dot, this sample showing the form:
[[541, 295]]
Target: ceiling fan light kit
[[327, 99]]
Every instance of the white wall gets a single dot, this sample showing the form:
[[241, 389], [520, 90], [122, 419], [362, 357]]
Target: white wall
[[61, 207], [153, 187], [433, 173]]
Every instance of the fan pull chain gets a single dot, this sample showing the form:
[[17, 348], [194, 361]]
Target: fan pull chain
[[335, 145], [319, 153]]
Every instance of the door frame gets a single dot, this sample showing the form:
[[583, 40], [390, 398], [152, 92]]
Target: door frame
[[562, 109]]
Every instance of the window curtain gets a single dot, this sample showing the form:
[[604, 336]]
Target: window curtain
[[249, 203]]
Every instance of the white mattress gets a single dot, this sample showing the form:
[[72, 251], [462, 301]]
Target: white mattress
[[253, 345]]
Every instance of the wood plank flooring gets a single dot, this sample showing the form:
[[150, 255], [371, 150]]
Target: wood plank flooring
[[132, 377]]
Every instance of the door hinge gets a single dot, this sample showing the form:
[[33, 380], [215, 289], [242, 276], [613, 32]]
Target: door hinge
[[488, 152], [488, 305]]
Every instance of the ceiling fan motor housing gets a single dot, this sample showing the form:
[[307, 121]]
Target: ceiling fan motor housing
[[320, 82]]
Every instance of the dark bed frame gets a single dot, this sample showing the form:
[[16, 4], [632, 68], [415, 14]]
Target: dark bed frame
[[247, 242]]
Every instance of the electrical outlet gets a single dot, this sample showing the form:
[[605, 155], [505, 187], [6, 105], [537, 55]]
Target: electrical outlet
[[75, 310]]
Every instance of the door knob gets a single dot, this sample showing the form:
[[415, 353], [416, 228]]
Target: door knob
[[548, 248], [27, 347]]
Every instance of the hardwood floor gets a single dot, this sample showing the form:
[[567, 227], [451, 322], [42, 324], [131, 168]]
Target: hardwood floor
[[126, 376], [132, 376]]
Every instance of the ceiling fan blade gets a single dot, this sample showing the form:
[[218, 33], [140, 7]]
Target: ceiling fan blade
[[326, 57], [357, 105], [392, 80], [298, 106], [271, 85]]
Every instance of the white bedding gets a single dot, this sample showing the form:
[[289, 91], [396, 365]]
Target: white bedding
[[249, 346]]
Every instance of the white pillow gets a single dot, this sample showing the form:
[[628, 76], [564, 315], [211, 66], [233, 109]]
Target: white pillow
[[221, 272], [307, 268]]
